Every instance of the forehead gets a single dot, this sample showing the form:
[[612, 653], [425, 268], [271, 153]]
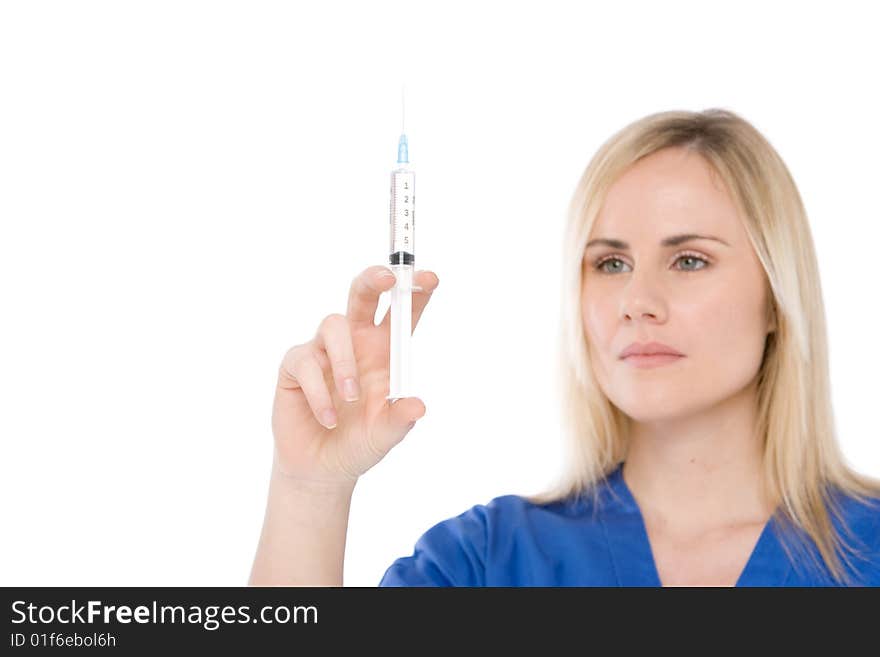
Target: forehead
[[672, 190]]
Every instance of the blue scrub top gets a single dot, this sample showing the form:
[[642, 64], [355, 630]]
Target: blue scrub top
[[512, 542]]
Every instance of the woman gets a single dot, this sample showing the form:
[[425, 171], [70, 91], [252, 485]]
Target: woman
[[695, 386]]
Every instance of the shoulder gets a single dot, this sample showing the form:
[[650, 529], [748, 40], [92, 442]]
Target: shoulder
[[861, 518], [502, 514], [459, 550], [510, 516]]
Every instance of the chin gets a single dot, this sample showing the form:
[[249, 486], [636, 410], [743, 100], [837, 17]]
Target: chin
[[644, 415], [654, 403]]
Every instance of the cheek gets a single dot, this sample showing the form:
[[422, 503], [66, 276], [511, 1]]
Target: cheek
[[723, 320], [722, 331], [598, 318], [600, 324], [710, 317]]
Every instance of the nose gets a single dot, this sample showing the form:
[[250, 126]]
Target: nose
[[642, 301], [639, 313]]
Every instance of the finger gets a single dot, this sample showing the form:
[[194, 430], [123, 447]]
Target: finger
[[395, 421], [301, 369], [334, 337], [424, 284], [363, 298]]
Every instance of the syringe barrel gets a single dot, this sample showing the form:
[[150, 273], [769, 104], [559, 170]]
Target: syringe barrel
[[402, 260], [403, 216]]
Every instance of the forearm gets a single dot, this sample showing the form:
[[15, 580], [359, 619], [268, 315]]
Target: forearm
[[302, 542]]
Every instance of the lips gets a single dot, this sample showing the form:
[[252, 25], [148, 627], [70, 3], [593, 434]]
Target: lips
[[649, 349]]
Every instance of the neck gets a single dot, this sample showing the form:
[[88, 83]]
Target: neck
[[699, 471]]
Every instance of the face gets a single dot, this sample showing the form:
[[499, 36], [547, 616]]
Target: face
[[706, 299]]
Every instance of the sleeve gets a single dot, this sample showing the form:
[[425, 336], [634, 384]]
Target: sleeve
[[451, 553]]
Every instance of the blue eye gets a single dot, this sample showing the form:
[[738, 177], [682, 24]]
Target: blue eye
[[600, 266], [694, 258]]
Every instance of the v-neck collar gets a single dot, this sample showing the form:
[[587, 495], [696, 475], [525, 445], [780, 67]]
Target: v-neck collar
[[633, 559]]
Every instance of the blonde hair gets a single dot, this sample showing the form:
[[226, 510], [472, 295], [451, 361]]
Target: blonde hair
[[802, 462]]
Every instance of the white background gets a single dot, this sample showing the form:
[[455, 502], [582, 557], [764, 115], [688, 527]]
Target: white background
[[188, 188]]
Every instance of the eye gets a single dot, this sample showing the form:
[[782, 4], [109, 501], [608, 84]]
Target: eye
[[692, 257], [600, 265], [683, 257]]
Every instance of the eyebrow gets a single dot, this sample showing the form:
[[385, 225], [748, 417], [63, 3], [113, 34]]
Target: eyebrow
[[673, 240]]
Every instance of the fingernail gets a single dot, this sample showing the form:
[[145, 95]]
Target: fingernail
[[350, 387], [387, 272], [328, 418]]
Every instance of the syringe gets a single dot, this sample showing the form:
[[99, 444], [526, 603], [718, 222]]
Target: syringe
[[402, 262]]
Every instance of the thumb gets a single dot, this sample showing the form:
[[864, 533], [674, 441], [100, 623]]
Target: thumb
[[400, 416]]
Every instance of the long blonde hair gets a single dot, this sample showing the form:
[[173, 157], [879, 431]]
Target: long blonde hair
[[802, 461]]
